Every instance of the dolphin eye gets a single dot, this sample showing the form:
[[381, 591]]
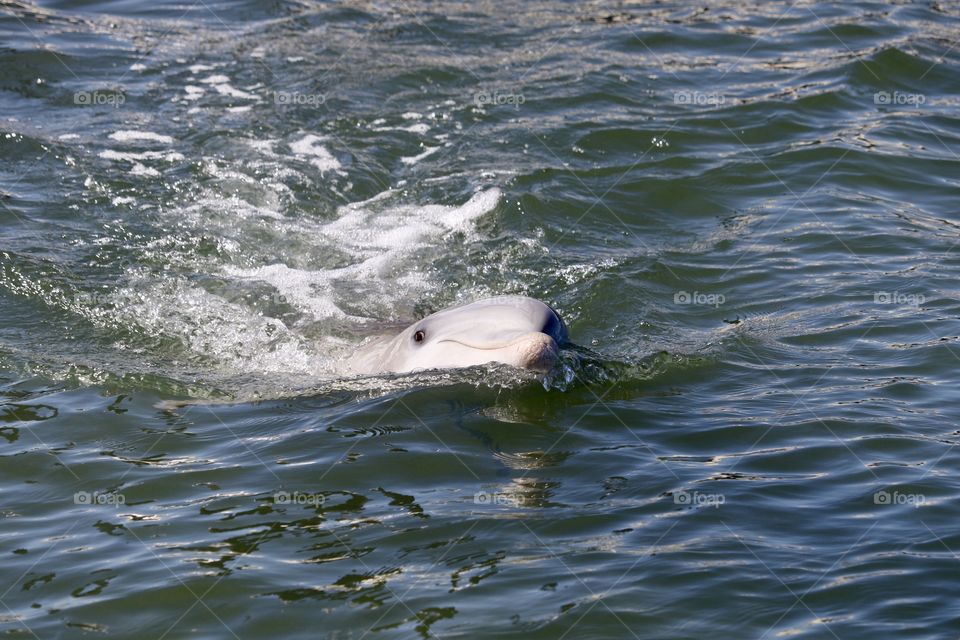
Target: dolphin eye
[[419, 336]]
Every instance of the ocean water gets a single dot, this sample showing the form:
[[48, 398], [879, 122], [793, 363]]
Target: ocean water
[[746, 214]]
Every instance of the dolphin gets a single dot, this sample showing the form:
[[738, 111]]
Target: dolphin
[[514, 330]]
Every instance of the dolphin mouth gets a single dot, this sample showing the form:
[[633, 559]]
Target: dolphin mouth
[[534, 350], [503, 344]]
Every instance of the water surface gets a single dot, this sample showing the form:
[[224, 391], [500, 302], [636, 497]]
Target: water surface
[[746, 215]]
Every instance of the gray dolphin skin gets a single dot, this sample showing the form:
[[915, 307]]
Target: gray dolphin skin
[[514, 330]]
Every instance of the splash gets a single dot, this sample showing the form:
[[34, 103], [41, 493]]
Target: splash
[[289, 320]]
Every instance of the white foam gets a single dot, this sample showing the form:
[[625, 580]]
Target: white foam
[[227, 90], [193, 92], [137, 167], [309, 147], [264, 146], [406, 226], [411, 160], [420, 127], [214, 328], [143, 170], [577, 273], [221, 84], [127, 135], [307, 290], [169, 156], [376, 248]]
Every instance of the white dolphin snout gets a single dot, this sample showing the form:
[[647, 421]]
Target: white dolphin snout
[[536, 351]]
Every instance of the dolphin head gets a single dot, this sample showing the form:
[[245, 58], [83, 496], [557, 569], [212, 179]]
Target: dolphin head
[[514, 330]]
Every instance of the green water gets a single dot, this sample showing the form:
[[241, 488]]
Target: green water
[[747, 216]]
